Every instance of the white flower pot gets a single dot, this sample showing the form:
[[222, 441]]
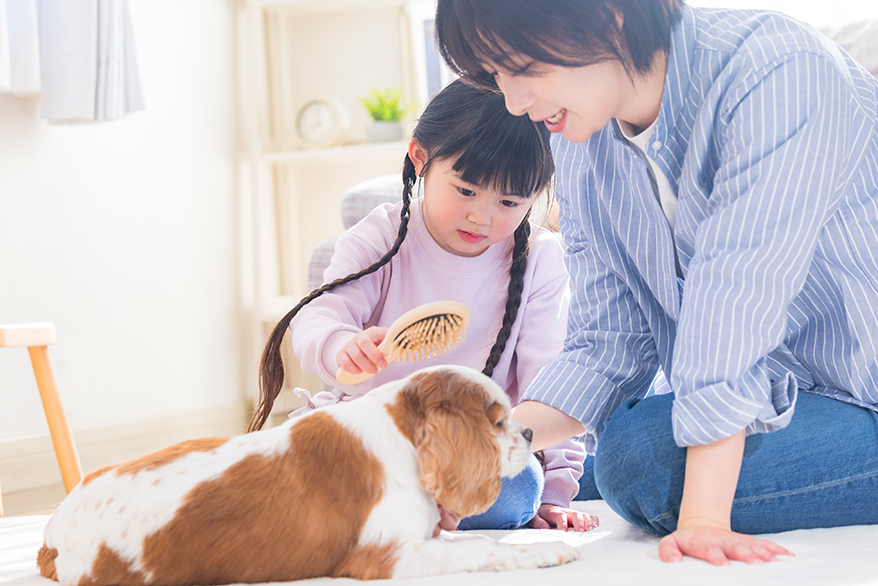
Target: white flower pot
[[382, 131]]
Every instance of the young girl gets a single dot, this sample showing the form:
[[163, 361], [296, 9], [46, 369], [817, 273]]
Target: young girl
[[717, 177], [467, 239]]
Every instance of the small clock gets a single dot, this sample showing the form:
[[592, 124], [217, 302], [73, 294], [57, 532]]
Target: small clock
[[322, 122]]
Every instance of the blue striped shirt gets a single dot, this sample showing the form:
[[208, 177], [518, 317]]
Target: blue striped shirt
[[768, 134]]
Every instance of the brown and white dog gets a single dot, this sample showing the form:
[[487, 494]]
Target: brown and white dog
[[348, 490]]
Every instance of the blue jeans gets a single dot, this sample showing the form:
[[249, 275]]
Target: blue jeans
[[819, 471], [517, 504], [588, 490]]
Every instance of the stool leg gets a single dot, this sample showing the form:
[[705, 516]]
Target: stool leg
[[65, 450]]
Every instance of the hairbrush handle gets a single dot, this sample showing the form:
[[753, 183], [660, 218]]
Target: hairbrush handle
[[426, 331], [346, 378]]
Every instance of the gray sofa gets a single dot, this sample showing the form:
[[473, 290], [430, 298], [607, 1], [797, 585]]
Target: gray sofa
[[357, 201]]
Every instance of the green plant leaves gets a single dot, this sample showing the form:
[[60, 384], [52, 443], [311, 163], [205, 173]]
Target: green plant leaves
[[385, 105]]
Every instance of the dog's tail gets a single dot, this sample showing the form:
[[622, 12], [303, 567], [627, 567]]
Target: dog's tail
[[46, 562]]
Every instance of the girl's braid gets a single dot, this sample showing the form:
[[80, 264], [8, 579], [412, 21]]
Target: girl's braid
[[513, 299], [271, 366]]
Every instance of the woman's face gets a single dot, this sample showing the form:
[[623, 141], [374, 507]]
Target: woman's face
[[579, 101]]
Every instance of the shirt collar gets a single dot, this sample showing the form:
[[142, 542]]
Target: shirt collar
[[681, 56]]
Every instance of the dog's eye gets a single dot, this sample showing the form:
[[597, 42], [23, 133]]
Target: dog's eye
[[500, 423]]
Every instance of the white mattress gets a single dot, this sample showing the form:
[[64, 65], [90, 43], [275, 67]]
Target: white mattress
[[615, 553]]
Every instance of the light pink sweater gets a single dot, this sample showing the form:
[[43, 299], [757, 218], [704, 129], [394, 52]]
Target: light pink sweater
[[422, 272]]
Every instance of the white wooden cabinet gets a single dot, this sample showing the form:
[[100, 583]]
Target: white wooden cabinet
[[291, 51]]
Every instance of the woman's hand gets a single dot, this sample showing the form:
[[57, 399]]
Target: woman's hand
[[555, 517], [706, 540], [361, 354], [704, 524]]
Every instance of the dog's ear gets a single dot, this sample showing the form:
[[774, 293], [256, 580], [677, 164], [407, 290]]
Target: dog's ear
[[457, 450]]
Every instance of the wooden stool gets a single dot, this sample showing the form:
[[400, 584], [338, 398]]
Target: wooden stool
[[36, 337]]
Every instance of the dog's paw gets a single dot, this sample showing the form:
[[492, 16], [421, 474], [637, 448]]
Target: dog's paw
[[543, 555], [536, 555]]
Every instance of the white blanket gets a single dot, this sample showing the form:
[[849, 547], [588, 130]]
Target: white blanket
[[615, 553]]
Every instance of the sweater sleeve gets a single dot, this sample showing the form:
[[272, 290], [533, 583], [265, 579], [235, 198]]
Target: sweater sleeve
[[323, 326], [564, 465]]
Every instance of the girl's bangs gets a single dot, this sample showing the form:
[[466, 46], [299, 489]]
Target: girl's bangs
[[513, 161], [485, 170]]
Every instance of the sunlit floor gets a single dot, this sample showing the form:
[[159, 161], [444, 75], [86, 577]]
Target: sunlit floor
[[614, 554]]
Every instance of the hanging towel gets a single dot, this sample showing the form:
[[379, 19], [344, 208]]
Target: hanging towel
[[19, 48], [88, 64]]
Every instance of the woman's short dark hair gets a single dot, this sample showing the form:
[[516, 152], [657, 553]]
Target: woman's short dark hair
[[571, 33]]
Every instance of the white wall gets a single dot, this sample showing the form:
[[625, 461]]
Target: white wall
[[124, 234]]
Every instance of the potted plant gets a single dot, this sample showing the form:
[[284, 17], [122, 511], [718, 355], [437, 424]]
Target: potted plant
[[385, 108]]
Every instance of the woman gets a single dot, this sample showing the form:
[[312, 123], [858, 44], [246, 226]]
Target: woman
[[717, 176]]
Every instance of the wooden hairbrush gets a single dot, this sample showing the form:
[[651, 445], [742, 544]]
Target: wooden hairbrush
[[422, 333]]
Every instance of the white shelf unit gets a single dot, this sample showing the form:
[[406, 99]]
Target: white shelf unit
[[291, 51], [340, 153]]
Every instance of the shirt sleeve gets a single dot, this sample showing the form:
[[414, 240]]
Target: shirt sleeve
[[785, 145], [608, 353], [323, 326], [544, 311]]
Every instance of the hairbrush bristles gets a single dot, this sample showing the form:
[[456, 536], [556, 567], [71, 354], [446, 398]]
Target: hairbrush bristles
[[420, 334], [428, 337]]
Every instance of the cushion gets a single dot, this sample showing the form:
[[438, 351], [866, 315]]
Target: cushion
[[860, 40], [356, 203], [365, 196]]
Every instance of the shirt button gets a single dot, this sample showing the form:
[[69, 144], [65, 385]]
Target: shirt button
[[657, 145]]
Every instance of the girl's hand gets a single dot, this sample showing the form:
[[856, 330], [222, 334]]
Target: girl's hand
[[555, 517], [447, 521], [361, 354], [708, 541]]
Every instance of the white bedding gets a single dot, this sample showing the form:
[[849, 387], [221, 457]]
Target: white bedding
[[615, 553]]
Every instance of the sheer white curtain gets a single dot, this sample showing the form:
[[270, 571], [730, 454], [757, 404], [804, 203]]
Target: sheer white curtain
[[19, 48], [78, 55], [89, 69]]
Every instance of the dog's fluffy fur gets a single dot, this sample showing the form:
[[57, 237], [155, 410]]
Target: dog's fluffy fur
[[348, 490]]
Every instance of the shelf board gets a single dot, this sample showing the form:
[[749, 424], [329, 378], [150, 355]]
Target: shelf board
[[339, 152]]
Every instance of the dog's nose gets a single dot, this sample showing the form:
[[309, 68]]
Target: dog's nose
[[528, 434]]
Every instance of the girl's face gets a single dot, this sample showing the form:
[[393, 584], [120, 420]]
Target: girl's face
[[579, 101], [465, 219]]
